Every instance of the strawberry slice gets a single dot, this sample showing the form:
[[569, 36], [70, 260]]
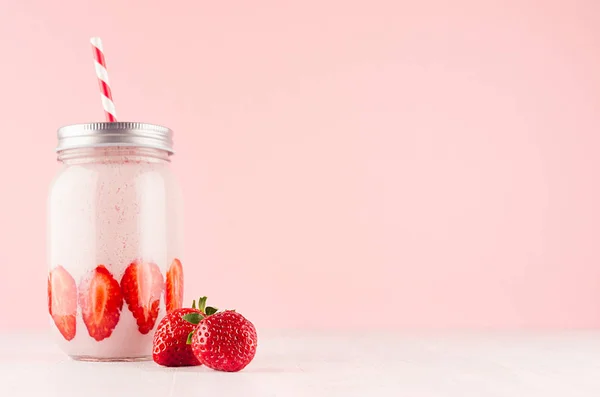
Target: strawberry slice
[[174, 289], [62, 301], [101, 302], [141, 286]]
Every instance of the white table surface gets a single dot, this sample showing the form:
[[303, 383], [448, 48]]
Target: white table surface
[[314, 364]]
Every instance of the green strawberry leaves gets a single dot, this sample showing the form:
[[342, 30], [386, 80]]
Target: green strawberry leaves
[[210, 310], [202, 304], [189, 338], [193, 318], [207, 310]]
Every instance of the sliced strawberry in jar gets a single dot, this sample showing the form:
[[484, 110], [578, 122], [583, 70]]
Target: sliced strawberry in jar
[[174, 288], [141, 286], [101, 302], [62, 301]]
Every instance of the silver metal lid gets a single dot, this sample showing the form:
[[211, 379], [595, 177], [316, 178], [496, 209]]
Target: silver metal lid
[[115, 134]]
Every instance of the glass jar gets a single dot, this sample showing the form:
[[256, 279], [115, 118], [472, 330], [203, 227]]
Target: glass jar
[[115, 240]]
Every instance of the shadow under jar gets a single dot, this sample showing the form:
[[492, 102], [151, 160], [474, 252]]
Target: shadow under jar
[[115, 240]]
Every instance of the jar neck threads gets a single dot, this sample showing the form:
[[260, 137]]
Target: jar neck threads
[[113, 154]]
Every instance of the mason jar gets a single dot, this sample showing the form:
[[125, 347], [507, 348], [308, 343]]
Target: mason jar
[[114, 239]]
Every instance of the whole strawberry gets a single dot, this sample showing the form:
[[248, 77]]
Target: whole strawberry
[[224, 341], [169, 347]]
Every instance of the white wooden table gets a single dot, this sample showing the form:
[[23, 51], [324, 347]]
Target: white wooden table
[[315, 364]]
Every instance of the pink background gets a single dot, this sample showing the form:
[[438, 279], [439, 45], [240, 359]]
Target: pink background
[[345, 163]]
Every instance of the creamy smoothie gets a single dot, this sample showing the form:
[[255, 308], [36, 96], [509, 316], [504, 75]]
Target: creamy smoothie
[[114, 251]]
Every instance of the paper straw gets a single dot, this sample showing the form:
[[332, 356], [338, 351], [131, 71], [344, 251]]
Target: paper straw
[[102, 74]]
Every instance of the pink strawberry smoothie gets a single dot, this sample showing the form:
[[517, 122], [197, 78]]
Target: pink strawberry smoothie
[[120, 211]]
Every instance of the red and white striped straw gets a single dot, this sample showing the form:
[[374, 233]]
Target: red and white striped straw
[[102, 74]]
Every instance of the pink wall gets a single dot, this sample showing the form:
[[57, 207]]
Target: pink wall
[[345, 163]]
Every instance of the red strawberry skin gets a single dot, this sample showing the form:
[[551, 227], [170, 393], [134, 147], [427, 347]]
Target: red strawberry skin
[[225, 341], [174, 286], [101, 303], [141, 286], [170, 347], [62, 301]]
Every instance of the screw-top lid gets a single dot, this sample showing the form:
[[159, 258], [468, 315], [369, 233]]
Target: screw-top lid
[[115, 134]]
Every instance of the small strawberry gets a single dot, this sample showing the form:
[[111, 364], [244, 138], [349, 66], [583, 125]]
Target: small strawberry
[[101, 302], [62, 301], [141, 286], [169, 346], [223, 341], [174, 287]]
